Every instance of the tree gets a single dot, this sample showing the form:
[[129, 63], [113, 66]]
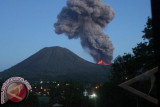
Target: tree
[[126, 67], [142, 59], [123, 68], [144, 51]]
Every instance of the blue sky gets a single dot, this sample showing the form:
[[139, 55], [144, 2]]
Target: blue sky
[[26, 26]]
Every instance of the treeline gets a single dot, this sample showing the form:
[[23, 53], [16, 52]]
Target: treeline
[[126, 67]]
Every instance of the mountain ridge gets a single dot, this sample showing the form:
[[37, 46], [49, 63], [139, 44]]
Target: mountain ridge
[[57, 63]]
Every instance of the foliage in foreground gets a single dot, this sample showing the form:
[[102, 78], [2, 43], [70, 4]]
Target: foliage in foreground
[[126, 67]]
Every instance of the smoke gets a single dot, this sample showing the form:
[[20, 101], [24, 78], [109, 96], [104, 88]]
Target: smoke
[[86, 19]]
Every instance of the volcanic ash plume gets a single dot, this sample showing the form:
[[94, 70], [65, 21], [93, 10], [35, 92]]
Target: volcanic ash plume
[[86, 19]]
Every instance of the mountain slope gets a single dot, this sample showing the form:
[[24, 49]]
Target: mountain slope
[[56, 63]]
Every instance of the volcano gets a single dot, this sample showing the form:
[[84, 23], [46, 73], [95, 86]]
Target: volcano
[[57, 63], [101, 62]]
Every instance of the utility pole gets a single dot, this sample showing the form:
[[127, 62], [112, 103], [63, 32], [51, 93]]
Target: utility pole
[[155, 7]]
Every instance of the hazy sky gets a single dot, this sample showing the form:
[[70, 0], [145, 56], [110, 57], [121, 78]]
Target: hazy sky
[[26, 26]]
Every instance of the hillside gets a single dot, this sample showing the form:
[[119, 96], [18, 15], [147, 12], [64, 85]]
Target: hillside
[[57, 63]]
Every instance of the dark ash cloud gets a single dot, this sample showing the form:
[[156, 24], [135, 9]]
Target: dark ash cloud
[[86, 19]]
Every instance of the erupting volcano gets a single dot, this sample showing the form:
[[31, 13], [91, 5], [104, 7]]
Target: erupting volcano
[[58, 64], [101, 62], [86, 19]]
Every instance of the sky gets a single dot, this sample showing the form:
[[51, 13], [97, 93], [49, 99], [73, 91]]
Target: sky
[[26, 26]]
